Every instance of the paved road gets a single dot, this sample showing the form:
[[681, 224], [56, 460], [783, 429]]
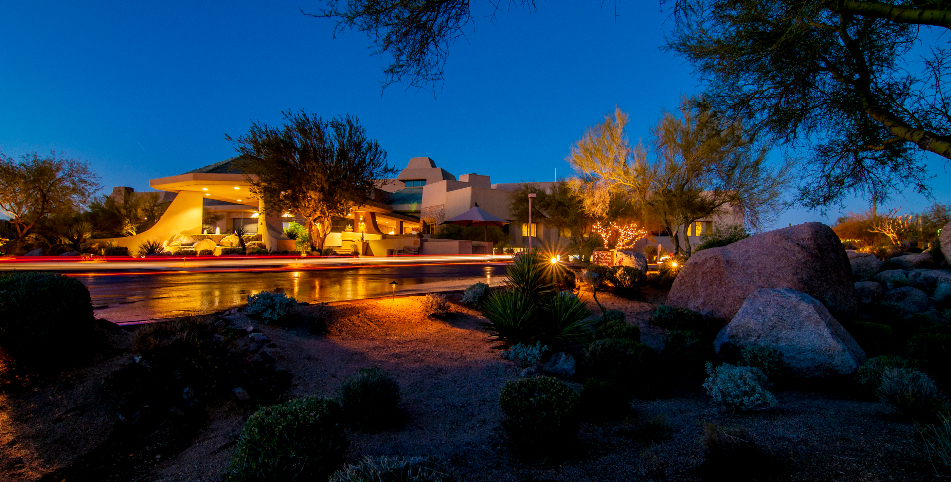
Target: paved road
[[128, 297]]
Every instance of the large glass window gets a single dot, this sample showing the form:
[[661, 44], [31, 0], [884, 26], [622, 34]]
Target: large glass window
[[534, 229], [414, 183]]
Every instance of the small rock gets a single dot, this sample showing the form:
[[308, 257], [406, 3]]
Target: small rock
[[561, 365], [942, 293], [893, 278], [70, 253], [188, 393], [250, 329], [259, 337], [35, 252], [529, 372], [241, 394]]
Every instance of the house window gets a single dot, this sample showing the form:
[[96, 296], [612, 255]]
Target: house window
[[695, 228], [534, 229], [414, 183]]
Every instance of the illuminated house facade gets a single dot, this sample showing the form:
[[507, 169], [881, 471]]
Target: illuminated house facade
[[400, 217]]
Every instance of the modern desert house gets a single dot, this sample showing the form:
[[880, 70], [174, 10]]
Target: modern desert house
[[401, 216]]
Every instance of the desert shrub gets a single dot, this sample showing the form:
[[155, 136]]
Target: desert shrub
[[525, 355], [628, 281], [657, 428], [667, 272], [768, 359], [609, 315], [328, 252], [270, 306], [650, 252], [232, 250], [631, 365], [686, 352], [596, 274], [932, 346], [937, 439], [300, 440], [869, 375], [874, 338], [370, 398], [541, 413], [152, 246], [512, 318], [722, 235], [435, 304], [314, 316], [737, 389], [678, 319], [115, 251], [392, 469], [912, 392], [300, 236], [475, 294], [44, 317], [565, 319], [616, 328], [602, 400]]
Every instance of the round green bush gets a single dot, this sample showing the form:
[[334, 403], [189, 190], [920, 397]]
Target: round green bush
[[541, 413], [670, 318], [43, 316], [617, 329], [631, 365], [300, 440], [392, 469], [370, 398]]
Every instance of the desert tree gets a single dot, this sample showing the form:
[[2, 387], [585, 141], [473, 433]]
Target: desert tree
[[704, 166], [860, 86], [415, 35], [316, 168], [35, 188]]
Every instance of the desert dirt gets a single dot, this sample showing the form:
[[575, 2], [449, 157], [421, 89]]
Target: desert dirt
[[450, 375]]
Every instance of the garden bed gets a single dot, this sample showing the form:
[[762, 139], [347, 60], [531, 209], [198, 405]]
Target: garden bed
[[450, 377]]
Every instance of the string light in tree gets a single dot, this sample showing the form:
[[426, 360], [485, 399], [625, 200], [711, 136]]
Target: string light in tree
[[626, 235]]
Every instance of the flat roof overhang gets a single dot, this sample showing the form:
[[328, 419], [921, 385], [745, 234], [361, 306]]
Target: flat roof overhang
[[233, 188]]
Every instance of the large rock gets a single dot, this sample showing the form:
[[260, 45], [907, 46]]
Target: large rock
[[808, 258], [865, 265], [910, 299], [204, 245], [944, 239], [868, 292], [561, 365], [230, 241], [35, 252], [812, 342], [928, 279], [942, 293], [911, 261], [630, 258]]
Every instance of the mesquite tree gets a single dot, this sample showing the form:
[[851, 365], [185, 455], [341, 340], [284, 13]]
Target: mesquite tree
[[318, 169]]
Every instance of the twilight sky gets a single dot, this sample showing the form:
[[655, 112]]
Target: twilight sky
[[149, 89]]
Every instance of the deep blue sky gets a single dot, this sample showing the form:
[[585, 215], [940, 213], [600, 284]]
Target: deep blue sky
[[149, 89]]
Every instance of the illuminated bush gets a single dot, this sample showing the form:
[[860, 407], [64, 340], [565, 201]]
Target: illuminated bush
[[475, 294], [541, 413], [270, 306], [370, 398], [300, 440], [435, 305]]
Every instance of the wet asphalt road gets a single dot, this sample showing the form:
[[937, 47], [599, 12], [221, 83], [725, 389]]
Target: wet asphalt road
[[120, 297]]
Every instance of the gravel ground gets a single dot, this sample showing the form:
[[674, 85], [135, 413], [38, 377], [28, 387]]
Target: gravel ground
[[450, 377]]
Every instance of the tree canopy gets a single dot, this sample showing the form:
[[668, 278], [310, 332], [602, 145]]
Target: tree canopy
[[704, 166], [318, 169], [36, 187], [859, 85]]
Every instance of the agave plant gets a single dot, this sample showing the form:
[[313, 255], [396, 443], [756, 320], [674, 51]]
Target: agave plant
[[512, 316], [528, 275], [152, 246], [567, 318]]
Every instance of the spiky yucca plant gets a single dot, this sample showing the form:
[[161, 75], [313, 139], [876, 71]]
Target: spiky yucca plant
[[528, 275], [567, 318], [513, 317]]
